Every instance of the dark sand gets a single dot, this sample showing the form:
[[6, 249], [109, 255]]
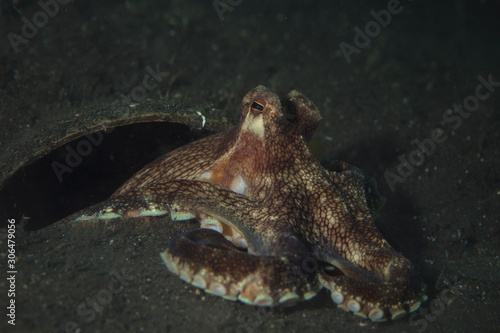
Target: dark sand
[[62, 82]]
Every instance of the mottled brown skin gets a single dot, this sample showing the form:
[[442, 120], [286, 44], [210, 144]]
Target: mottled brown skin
[[305, 226]]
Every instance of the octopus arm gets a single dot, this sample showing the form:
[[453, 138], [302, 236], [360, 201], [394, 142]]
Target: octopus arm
[[207, 260]]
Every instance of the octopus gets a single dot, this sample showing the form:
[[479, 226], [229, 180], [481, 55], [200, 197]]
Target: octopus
[[275, 225]]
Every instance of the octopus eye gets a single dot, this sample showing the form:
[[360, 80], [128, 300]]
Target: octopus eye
[[257, 107]]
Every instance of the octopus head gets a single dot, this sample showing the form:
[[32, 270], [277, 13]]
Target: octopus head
[[262, 114]]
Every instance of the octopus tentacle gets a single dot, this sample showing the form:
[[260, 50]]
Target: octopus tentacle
[[352, 182], [383, 286], [176, 193], [371, 278], [185, 199], [375, 300], [208, 261]]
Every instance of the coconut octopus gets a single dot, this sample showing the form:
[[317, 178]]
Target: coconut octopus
[[275, 225]]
